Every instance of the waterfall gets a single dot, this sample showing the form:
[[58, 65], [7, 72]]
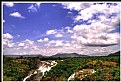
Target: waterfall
[[45, 66]]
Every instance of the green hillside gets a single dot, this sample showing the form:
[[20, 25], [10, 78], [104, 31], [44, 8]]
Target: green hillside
[[64, 55]]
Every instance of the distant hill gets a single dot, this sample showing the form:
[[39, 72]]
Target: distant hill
[[17, 56], [64, 55], [115, 54]]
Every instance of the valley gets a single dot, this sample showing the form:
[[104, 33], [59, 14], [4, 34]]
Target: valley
[[88, 68]]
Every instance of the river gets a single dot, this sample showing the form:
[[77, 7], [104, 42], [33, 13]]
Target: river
[[39, 73]]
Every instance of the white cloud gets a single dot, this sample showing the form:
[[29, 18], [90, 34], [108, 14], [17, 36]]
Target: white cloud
[[69, 30], [7, 41], [9, 4], [55, 32], [67, 45], [79, 28], [52, 41], [59, 43], [76, 5], [11, 45], [35, 47], [21, 44], [55, 43], [93, 39], [51, 32], [25, 47], [58, 35], [7, 36], [59, 46], [89, 34], [4, 42], [16, 14], [87, 13], [29, 41], [46, 40], [40, 40], [98, 32]]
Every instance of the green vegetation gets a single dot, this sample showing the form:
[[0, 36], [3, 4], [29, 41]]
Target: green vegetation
[[107, 68], [15, 69]]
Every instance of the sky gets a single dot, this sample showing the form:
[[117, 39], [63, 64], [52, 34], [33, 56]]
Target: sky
[[48, 28]]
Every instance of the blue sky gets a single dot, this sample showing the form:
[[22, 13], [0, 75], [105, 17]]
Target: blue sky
[[50, 28], [38, 20]]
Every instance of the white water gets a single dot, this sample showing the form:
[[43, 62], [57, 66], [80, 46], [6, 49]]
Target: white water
[[45, 66], [73, 75], [27, 77]]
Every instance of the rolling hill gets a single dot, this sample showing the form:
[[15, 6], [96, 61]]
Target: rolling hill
[[64, 55], [115, 54]]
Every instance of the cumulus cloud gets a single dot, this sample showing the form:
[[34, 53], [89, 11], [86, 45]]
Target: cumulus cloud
[[35, 47], [23, 47], [40, 40], [29, 41], [94, 38], [87, 13], [75, 5], [67, 45], [55, 32], [21, 44], [7, 36], [59, 43], [9, 4], [8, 44], [7, 40], [98, 32], [16, 14], [54, 43], [51, 32], [56, 46], [59, 35], [45, 39], [69, 30], [27, 44]]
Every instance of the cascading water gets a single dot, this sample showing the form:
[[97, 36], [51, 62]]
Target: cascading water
[[45, 66]]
